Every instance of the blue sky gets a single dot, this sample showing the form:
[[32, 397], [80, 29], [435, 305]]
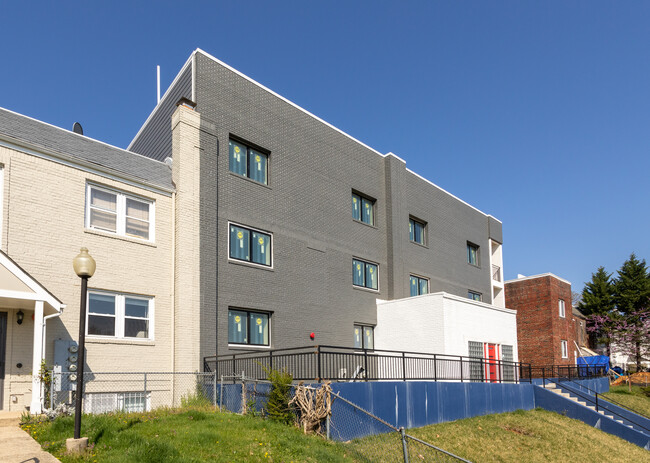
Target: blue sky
[[535, 112]]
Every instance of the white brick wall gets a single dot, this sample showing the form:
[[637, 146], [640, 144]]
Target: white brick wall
[[441, 323]]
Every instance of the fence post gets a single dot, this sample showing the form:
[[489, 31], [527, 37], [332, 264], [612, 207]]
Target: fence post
[[404, 365], [145, 392], [461, 369], [270, 360], [233, 368], [327, 428], [243, 394], [435, 368], [318, 361], [543, 376], [596, 401], [405, 449], [214, 389], [221, 395]]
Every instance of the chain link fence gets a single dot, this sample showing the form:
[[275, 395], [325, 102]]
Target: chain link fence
[[366, 435]]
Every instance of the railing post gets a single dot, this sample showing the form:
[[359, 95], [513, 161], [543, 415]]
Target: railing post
[[596, 401], [319, 363], [530, 373], [543, 376], [233, 368], [405, 449], [435, 368], [404, 366], [271, 360], [365, 362], [461, 369]]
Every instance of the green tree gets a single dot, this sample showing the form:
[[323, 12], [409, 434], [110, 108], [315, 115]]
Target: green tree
[[632, 297], [632, 287], [598, 294]]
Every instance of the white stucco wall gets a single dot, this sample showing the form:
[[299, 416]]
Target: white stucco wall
[[443, 324]]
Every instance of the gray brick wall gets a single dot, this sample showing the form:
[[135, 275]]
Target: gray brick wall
[[313, 169]]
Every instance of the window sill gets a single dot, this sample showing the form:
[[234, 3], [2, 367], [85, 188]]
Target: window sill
[[368, 290], [419, 244], [246, 347], [473, 265], [365, 224], [250, 264], [119, 237], [129, 342], [255, 182]]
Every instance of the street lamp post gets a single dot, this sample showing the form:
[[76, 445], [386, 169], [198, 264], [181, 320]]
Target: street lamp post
[[84, 266]]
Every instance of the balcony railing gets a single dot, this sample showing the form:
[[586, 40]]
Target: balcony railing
[[496, 273], [318, 363]]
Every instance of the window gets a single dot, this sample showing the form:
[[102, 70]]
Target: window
[[116, 212], [364, 337], [473, 295], [108, 402], [364, 274], [561, 306], [248, 162], [119, 316], [363, 209], [250, 245], [472, 254], [419, 285], [246, 327], [565, 350], [416, 231], [507, 355]]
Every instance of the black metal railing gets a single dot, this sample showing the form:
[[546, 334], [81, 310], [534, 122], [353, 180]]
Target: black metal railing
[[598, 403], [567, 371], [334, 363]]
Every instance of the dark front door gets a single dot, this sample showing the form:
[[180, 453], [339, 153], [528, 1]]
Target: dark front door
[[3, 344]]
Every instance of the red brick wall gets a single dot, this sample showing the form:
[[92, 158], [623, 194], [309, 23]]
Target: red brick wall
[[539, 326]]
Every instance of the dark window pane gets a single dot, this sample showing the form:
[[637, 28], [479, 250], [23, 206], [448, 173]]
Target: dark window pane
[[357, 337], [367, 211], [239, 243], [358, 273], [257, 163], [101, 303], [259, 329], [238, 158], [101, 326], [368, 337], [237, 327], [424, 286], [371, 276], [134, 328], [136, 307], [261, 248], [411, 231], [356, 207], [414, 286]]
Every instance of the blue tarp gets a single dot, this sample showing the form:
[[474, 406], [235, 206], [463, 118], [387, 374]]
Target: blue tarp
[[596, 364]]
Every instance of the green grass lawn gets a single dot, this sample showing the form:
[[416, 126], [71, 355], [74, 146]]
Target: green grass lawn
[[635, 400], [205, 435]]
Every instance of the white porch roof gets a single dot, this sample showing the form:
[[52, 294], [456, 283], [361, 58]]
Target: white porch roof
[[19, 290]]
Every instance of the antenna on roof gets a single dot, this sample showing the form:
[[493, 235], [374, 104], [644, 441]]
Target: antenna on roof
[[158, 81], [76, 128]]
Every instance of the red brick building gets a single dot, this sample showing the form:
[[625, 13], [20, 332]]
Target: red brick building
[[546, 327]]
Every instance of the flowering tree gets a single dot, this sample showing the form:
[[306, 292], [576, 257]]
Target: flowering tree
[[630, 333]]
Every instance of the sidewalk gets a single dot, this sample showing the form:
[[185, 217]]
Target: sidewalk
[[16, 446]]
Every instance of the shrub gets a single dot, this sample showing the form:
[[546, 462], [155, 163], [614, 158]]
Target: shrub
[[277, 407]]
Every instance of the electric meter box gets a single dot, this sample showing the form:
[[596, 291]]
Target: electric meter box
[[66, 355]]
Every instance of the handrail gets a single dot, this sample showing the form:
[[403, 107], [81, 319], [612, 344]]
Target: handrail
[[600, 405], [608, 399]]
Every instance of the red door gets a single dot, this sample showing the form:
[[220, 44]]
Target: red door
[[491, 355]]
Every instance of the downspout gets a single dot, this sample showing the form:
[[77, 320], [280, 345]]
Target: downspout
[[173, 293]]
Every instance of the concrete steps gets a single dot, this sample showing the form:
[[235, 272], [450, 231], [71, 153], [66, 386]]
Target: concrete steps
[[557, 390], [9, 419]]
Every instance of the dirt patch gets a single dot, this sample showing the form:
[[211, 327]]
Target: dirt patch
[[518, 430]]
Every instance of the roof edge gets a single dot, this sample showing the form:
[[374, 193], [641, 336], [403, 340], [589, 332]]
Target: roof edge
[[541, 275]]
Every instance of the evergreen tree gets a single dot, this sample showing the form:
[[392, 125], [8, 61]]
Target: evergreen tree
[[632, 288], [598, 294], [632, 299]]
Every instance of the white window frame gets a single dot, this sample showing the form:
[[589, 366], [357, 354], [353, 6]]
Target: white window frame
[[120, 315], [250, 262], [564, 347], [562, 308], [109, 402], [120, 222]]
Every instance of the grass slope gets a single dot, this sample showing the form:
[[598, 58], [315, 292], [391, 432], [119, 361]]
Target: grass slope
[[203, 435], [635, 400]]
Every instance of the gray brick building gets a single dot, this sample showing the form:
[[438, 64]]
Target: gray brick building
[[301, 227]]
